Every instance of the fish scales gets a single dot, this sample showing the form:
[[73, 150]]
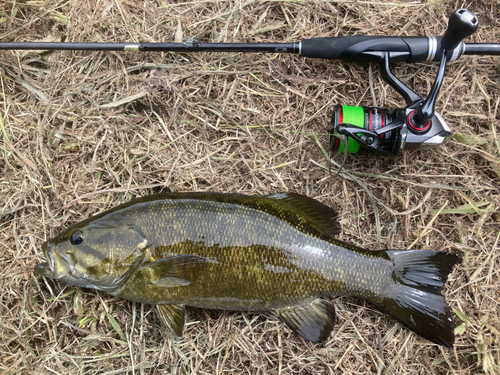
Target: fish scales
[[281, 272], [272, 253]]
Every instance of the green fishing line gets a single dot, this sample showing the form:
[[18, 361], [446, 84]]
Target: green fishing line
[[356, 117]]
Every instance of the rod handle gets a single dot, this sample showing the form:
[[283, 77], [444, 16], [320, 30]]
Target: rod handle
[[371, 48]]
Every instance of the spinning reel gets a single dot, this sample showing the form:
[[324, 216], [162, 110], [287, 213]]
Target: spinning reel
[[377, 129]]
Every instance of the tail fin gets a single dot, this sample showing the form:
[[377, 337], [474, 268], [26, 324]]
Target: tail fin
[[417, 301]]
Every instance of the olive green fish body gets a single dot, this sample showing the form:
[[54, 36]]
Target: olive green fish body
[[251, 260], [229, 251]]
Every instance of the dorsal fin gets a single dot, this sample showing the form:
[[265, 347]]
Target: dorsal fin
[[304, 213], [315, 215]]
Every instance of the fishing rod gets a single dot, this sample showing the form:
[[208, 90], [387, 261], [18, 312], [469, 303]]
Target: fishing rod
[[352, 129]]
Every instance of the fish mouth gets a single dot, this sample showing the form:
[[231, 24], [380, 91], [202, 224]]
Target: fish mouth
[[44, 270], [58, 265]]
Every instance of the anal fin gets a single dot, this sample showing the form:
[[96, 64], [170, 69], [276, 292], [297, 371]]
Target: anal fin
[[314, 321], [173, 316]]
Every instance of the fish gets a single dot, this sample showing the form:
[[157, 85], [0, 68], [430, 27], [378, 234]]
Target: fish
[[275, 253]]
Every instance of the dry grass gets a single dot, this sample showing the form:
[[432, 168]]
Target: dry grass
[[235, 123]]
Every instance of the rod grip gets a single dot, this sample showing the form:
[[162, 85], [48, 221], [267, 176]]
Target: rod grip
[[367, 48]]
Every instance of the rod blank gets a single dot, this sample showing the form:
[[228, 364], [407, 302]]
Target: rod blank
[[156, 47]]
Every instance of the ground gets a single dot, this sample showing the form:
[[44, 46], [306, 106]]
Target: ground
[[85, 131]]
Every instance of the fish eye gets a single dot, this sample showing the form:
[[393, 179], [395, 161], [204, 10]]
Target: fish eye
[[77, 238]]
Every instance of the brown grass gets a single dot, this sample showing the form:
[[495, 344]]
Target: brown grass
[[235, 123]]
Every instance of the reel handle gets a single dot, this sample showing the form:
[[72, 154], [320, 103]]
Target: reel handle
[[462, 24]]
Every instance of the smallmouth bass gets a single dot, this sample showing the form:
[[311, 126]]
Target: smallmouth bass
[[274, 253]]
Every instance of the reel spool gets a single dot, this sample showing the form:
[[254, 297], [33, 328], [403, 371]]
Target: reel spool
[[368, 118]]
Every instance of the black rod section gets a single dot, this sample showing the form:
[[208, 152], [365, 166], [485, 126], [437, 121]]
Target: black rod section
[[222, 47], [187, 46], [489, 49], [45, 46]]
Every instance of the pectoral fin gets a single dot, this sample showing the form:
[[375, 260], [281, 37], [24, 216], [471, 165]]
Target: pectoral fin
[[314, 321], [173, 317], [175, 271]]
